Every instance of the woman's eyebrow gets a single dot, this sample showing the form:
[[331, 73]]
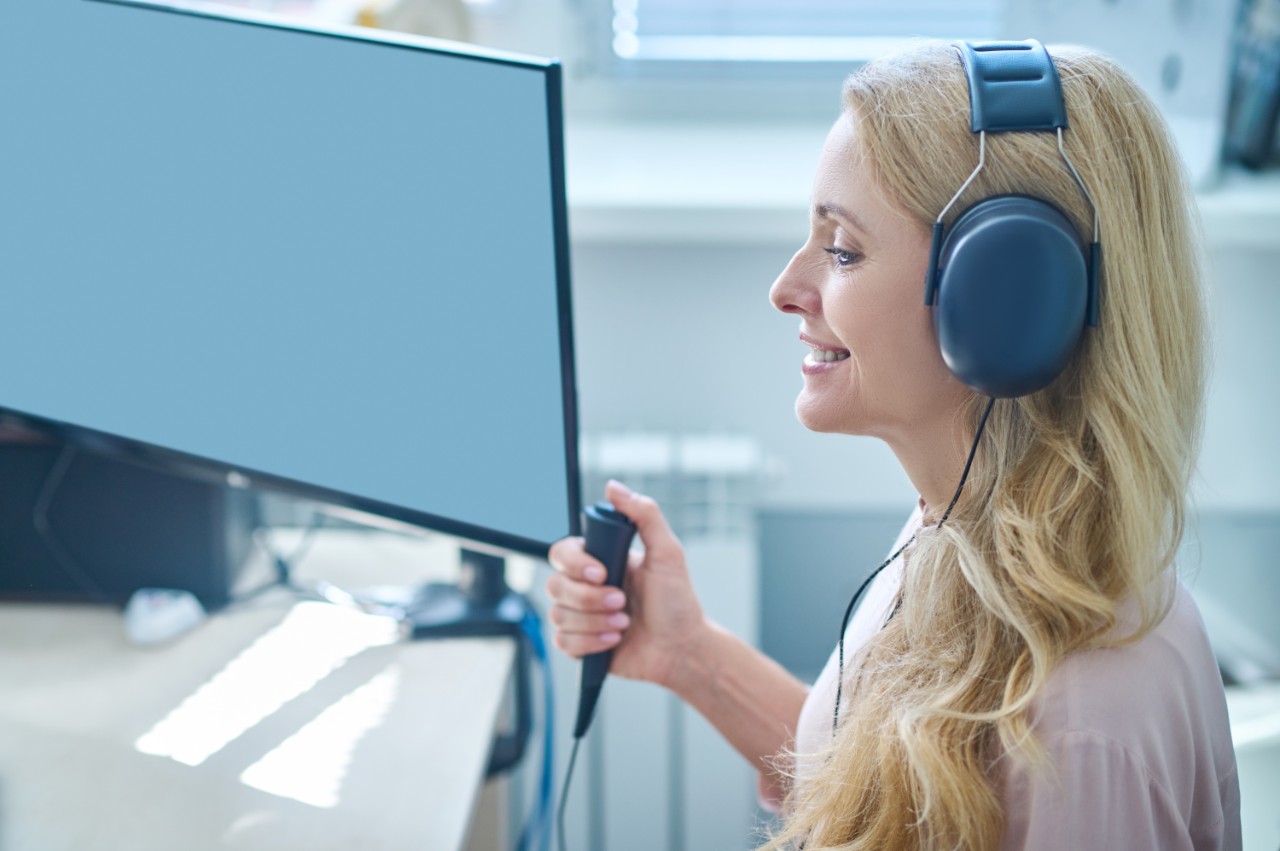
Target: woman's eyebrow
[[827, 210]]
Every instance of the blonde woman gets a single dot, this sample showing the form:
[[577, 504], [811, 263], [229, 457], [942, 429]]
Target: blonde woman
[[1027, 672]]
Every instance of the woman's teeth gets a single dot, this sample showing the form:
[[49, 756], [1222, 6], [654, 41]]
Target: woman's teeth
[[824, 356]]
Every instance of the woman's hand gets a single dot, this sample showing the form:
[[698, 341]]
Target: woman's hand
[[650, 623]]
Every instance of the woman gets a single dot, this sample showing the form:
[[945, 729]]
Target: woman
[[1029, 673]]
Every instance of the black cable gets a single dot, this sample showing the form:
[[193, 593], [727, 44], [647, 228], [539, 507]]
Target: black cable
[[844, 624], [284, 565], [848, 612], [973, 450], [564, 794], [40, 520]]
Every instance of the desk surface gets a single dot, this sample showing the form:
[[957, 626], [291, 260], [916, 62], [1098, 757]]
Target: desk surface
[[275, 724]]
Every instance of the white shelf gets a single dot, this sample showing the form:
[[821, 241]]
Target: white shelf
[[682, 184], [1243, 211]]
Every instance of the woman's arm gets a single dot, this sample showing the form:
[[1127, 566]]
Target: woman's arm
[[751, 699]]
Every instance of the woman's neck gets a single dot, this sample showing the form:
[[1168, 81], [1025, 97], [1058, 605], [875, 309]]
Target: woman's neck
[[933, 459]]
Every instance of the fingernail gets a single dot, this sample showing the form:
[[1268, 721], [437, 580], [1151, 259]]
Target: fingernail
[[609, 637], [614, 600], [594, 573], [626, 491], [618, 621]]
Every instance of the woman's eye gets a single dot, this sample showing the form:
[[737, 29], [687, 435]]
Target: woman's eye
[[843, 258]]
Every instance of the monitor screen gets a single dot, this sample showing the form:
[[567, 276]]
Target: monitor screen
[[331, 260]]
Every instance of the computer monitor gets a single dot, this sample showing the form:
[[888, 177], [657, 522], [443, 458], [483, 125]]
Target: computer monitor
[[333, 261]]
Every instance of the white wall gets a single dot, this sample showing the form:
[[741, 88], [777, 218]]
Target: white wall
[[1240, 458]]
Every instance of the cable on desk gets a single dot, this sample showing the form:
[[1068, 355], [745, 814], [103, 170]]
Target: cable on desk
[[319, 590], [284, 566], [538, 826]]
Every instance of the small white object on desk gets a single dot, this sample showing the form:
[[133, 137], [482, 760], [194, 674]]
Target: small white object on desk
[[157, 615]]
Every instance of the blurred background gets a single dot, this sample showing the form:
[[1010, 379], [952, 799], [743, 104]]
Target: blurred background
[[692, 131]]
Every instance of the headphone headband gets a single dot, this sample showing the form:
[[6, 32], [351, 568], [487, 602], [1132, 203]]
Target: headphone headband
[[1011, 286], [1013, 86]]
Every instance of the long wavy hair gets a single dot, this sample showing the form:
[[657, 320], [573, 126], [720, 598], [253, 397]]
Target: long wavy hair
[[1076, 503]]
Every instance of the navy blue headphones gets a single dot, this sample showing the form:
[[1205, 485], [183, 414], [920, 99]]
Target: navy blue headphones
[[1011, 284]]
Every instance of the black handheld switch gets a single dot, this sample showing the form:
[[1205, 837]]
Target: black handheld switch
[[608, 537]]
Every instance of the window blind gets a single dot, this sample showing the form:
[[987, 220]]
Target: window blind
[[799, 30]]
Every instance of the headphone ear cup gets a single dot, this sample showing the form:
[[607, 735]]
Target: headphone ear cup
[[1012, 289]]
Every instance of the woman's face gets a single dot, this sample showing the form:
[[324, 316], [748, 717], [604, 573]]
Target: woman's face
[[857, 285]]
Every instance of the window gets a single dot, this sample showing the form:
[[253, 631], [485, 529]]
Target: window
[[794, 31]]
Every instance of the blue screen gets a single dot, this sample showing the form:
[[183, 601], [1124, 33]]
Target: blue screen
[[326, 258]]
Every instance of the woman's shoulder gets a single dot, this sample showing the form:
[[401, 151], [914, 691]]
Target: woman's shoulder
[[1159, 700], [1168, 676], [1137, 733]]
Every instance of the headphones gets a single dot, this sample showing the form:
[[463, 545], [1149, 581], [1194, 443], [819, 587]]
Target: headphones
[[1011, 285]]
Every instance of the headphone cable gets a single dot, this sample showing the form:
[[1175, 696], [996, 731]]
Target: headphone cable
[[848, 612]]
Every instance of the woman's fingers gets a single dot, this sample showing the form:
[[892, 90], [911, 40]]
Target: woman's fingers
[[578, 645], [592, 623], [588, 615], [569, 557], [584, 597], [644, 511], [588, 618]]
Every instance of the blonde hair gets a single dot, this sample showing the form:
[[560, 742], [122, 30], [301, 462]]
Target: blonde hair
[[1075, 505]]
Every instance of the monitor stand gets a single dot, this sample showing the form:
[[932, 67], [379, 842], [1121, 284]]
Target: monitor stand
[[481, 604]]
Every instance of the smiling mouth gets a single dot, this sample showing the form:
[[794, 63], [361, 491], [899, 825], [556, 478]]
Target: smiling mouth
[[823, 352], [826, 355]]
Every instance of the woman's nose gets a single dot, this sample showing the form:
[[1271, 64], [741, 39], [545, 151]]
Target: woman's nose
[[791, 293]]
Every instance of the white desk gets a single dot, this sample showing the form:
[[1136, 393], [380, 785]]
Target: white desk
[[375, 745]]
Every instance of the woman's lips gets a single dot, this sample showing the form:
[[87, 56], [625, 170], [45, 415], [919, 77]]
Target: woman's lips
[[809, 366], [815, 343], [824, 357]]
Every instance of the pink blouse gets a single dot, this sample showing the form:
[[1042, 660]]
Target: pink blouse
[[1138, 736]]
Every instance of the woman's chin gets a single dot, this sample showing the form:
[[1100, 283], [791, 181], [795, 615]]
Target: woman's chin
[[821, 418]]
